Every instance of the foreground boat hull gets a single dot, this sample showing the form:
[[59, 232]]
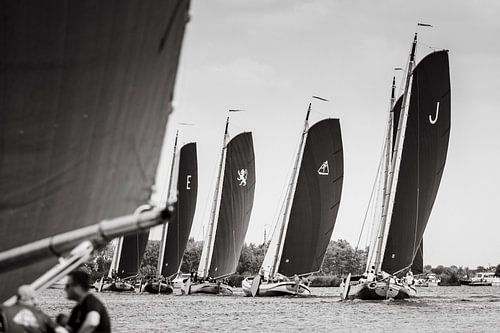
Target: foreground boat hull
[[283, 288], [152, 288], [379, 290], [213, 288], [117, 287]]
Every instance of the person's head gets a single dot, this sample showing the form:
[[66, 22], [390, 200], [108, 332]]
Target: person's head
[[26, 295], [77, 285]]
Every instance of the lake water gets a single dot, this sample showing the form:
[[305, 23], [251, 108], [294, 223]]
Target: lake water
[[437, 309]]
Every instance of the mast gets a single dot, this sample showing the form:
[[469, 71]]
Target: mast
[[392, 178], [289, 196], [387, 173], [165, 226], [115, 262], [208, 245]]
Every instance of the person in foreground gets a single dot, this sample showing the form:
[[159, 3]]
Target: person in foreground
[[23, 316], [89, 315]]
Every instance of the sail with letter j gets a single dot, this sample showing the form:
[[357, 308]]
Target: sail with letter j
[[415, 152]]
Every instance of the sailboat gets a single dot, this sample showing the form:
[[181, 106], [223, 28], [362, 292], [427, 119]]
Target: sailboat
[[86, 94], [126, 262], [415, 149], [175, 233], [229, 216], [308, 215]]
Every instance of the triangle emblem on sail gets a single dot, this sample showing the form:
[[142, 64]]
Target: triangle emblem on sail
[[324, 169]]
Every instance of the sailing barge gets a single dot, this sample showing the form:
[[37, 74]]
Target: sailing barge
[[175, 233], [229, 217], [415, 149], [308, 214]]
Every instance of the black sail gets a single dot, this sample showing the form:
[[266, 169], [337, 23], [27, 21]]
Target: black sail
[[316, 200], [133, 249], [180, 226], [396, 111], [418, 262], [86, 89], [422, 163], [235, 205]]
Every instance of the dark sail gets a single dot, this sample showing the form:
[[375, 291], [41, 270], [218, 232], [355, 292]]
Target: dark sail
[[132, 252], [180, 226], [86, 88], [235, 205], [396, 111], [423, 159], [316, 200], [418, 262]]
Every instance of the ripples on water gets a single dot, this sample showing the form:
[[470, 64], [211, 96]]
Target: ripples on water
[[438, 309]]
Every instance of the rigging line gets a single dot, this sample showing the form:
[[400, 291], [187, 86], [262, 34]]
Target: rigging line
[[284, 192], [434, 48], [207, 201], [371, 196], [374, 185]]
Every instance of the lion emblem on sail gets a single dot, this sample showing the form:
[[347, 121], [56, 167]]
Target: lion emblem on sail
[[242, 177]]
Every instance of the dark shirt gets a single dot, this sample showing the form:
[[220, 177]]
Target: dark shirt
[[22, 318], [80, 311]]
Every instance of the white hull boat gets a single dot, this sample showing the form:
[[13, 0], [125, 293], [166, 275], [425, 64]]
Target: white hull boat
[[281, 288], [213, 288]]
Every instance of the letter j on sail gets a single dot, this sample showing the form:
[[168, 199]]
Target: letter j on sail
[[433, 121]]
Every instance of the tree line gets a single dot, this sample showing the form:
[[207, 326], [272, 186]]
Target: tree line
[[340, 259]]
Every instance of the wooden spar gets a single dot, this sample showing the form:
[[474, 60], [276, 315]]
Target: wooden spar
[[78, 255], [291, 188], [161, 254], [396, 161], [387, 173], [208, 246], [98, 234]]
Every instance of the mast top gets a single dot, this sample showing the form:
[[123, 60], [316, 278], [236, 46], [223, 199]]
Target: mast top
[[308, 111], [413, 47], [227, 125]]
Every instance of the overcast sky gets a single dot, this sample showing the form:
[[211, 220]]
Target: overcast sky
[[268, 57]]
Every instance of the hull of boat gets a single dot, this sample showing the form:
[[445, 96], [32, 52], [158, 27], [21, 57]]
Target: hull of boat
[[282, 288], [480, 283], [379, 290], [152, 288], [213, 288], [427, 284], [117, 287]]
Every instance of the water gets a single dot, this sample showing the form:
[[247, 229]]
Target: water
[[437, 309]]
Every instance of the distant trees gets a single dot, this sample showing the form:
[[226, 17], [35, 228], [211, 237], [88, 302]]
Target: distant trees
[[251, 259], [192, 255], [340, 259], [150, 259], [99, 263]]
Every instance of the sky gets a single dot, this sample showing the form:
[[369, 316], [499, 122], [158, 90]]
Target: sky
[[268, 57]]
